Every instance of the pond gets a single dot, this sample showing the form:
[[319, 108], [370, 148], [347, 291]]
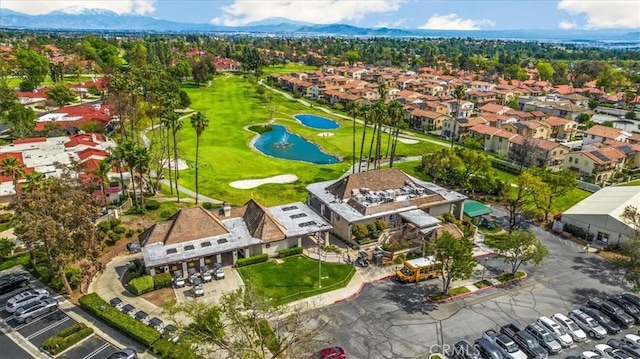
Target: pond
[[317, 122], [281, 143]]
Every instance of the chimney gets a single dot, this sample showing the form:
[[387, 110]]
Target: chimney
[[226, 207], [93, 138]]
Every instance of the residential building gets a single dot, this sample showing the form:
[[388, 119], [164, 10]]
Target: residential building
[[70, 118], [424, 121], [495, 140], [533, 129], [459, 128], [597, 166], [599, 133], [537, 152], [561, 128]]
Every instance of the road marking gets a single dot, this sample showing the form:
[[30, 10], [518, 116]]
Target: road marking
[[27, 324], [45, 329], [97, 351]]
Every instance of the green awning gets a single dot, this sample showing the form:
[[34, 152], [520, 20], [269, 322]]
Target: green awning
[[474, 209]]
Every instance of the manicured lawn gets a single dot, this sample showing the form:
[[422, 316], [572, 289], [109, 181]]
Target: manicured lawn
[[15, 82], [632, 183], [231, 104], [452, 293], [21, 259], [508, 276], [296, 278], [290, 67]]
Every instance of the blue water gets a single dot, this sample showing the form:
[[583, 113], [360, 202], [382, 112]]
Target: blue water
[[298, 149], [317, 122]]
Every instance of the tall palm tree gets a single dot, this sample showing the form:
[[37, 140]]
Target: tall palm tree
[[35, 181], [141, 160], [12, 167], [460, 94], [117, 157], [367, 112], [354, 111], [199, 122], [173, 121], [104, 167], [397, 115]]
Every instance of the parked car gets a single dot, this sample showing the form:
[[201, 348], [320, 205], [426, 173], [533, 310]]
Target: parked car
[[218, 271], [157, 324], [129, 310], [205, 274], [616, 313], [488, 350], [26, 314], [557, 331], [464, 350], [587, 324], [116, 303], [570, 326], [142, 316], [363, 259], [24, 298], [193, 275], [544, 338], [133, 247], [632, 339], [602, 319], [508, 347], [332, 353], [628, 308], [196, 281], [525, 341], [611, 353], [625, 347], [12, 282], [198, 290], [126, 353], [631, 298], [588, 354], [178, 281]]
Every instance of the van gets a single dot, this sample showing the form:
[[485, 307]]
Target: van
[[488, 350]]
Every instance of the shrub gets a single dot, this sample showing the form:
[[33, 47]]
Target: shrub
[[114, 237], [260, 129], [380, 225], [141, 285], [263, 328], [66, 338], [168, 350], [359, 231], [399, 259], [449, 218], [119, 229], [124, 323], [259, 258], [151, 205], [207, 205], [162, 280], [372, 228], [288, 252], [577, 231], [104, 226], [5, 217], [130, 233], [115, 222]]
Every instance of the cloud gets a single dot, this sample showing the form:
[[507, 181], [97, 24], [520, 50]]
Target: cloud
[[36, 7], [605, 14], [391, 24], [241, 12], [567, 25], [454, 22]]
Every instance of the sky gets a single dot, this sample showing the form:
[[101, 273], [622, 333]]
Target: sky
[[410, 14]]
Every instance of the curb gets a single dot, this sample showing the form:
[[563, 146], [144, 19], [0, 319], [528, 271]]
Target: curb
[[499, 285], [361, 288], [483, 254]]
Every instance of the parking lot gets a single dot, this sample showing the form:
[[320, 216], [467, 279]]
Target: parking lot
[[392, 320], [49, 324]]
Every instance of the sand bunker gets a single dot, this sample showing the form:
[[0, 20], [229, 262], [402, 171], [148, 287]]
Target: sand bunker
[[326, 134], [253, 183], [407, 141]]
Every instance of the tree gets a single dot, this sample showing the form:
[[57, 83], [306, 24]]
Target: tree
[[185, 101], [58, 220], [545, 70], [174, 123], [352, 56], [555, 185], [199, 122], [35, 181], [436, 164], [22, 120], [367, 114], [629, 262], [593, 104], [32, 68], [517, 202], [630, 115], [248, 325], [521, 247], [102, 172], [583, 117], [631, 216], [476, 166], [354, 112], [456, 256], [397, 115], [460, 94], [61, 95], [13, 168], [6, 248]]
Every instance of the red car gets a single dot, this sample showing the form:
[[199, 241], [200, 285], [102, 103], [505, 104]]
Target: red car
[[333, 353]]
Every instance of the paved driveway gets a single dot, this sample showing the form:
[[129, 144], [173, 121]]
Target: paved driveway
[[390, 320]]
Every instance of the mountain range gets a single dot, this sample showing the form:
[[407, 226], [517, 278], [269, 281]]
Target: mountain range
[[82, 19]]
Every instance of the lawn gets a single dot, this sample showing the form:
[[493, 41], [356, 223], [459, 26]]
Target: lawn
[[21, 259], [231, 104], [286, 68], [632, 183], [14, 82], [295, 278]]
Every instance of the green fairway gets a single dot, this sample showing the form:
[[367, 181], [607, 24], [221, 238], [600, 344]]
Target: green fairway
[[231, 104], [295, 278], [290, 67]]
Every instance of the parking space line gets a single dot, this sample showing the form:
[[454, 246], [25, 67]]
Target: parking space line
[[97, 351], [45, 329], [27, 324]]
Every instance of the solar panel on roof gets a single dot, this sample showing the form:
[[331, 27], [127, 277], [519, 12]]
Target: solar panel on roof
[[601, 156], [463, 120], [626, 149]]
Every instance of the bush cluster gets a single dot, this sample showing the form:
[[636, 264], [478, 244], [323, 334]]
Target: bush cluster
[[141, 285], [168, 350], [207, 205], [258, 258], [5, 217], [113, 317], [578, 231], [151, 205], [66, 338], [162, 280], [288, 252]]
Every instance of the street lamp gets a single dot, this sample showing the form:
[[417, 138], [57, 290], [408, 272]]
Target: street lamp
[[484, 268]]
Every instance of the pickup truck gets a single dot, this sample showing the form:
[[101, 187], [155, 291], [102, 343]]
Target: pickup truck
[[526, 341], [508, 347]]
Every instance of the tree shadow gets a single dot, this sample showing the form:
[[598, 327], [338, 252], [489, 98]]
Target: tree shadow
[[411, 298], [598, 268], [582, 295]]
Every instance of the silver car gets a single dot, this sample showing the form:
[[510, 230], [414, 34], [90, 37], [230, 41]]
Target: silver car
[[588, 324], [25, 314], [25, 298]]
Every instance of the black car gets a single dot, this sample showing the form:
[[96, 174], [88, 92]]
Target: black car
[[525, 341], [616, 313], [625, 347], [464, 350], [604, 320], [12, 282], [631, 298], [628, 308]]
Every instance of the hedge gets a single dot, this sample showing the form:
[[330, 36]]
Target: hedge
[[168, 350], [113, 317], [66, 338], [162, 280], [141, 285], [258, 258], [288, 252]]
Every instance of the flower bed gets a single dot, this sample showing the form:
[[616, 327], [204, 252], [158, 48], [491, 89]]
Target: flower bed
[[508, 276]]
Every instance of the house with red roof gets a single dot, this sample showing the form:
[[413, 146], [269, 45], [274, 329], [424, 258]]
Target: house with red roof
[[224, 64], [72, 117], [598, 165], [537, 151]]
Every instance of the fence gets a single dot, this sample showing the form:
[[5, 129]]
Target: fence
[[312, 253], [115, 213], [588, 186]]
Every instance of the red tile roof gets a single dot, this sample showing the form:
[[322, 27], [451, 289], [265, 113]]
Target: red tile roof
[[29, 140]]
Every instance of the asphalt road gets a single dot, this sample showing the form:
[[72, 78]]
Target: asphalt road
[[11, 349], [390, 320]]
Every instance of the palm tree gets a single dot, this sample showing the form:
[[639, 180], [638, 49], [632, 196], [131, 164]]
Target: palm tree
[[173, 121], [116, 157], [354, 111], [459, 93], [396, 113], [128, 152], [12, 167], [104, 167], [35, 181], [366, 111], [199, 122], [141, 161]]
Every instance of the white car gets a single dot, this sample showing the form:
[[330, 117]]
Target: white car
[[24, 298], [632, 339], [570, 327], [608, 352], [556, 331], [588, 354], [25, 314], [218, 271], [198, 291]]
